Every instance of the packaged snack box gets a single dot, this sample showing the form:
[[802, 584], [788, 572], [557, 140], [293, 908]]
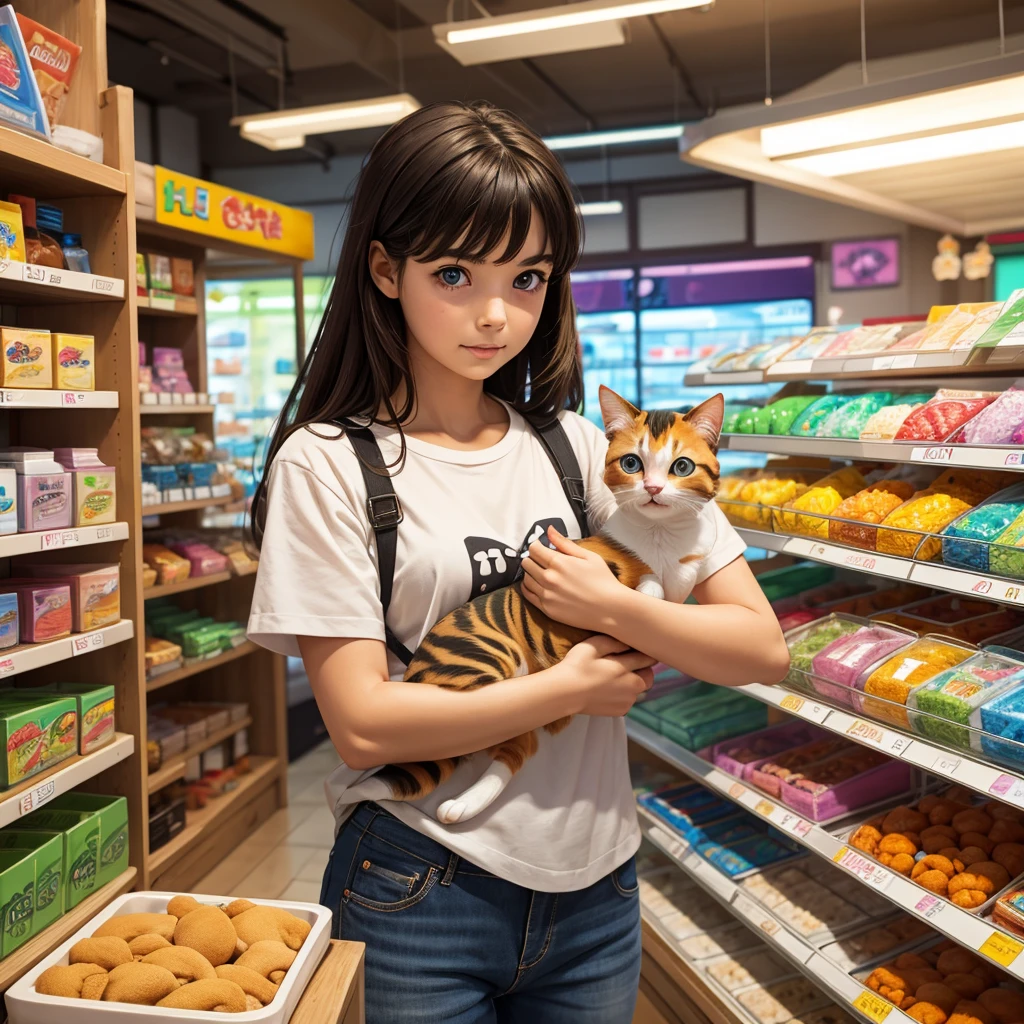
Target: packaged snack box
[[44, 609], [17, 898], [160, 279], [47, 850], [141, 278], [8, 619], [26, 357], [38, 732], [95, 713], [182, 280], [54, 60], [8, 501], [80, 836], [12, 233], [112, 814], [74, 361], [21, 105], [95, 592]]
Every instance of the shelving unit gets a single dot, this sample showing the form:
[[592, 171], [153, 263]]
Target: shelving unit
[[202, 667]]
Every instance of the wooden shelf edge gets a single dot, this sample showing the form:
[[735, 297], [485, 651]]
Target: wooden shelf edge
[[175, 767], [264, 774], [176, 410], [184, 506], [203, 666], [89, 177], [42, 945], [192, 583]]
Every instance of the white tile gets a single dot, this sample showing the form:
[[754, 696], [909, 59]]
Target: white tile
[[306, 792], [302, 892], [275, 829], [316, 830], [273, 874], [314, 868]]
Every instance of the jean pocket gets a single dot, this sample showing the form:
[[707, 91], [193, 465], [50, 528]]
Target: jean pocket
[[388, 879], [624, 879]]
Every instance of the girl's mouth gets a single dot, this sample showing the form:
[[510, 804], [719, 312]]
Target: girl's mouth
[[482, 351]]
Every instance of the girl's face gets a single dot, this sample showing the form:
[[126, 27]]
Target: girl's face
[[470, 318]]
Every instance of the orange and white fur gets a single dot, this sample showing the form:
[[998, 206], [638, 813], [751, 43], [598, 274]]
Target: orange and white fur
[[661, 469]]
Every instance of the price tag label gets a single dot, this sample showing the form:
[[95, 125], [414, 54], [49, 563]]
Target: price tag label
[[868, 732], [769, 927], [104, 533], [933, 453], [37, 797], [1001, 948], [31, 272], [8, 397], [882, 362], [72, 398], [1007, 788], [1012, 593], [904, 362], [746, 907], [6, 666], [203, 492], [930, 907], [102, 284], [764, 808], [946, 764], [872, 1006], [736, 791], [59, 539], [55, 277], [786, 368], [801, 828], [867, 870], [87, 642], [791, 702], [5, 265]]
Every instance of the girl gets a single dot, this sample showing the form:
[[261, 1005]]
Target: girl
[[451, 319]]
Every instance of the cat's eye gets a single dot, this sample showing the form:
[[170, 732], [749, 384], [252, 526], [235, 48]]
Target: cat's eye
[[631, 464], [683, 466]]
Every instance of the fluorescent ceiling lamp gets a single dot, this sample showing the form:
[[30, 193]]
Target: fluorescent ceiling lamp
[[287, 129], [574, 26], [600, 209], [620, 137]]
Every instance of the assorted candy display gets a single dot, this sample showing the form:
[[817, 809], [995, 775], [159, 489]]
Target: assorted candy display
[[177, 637], [182, 464], [170, 556]]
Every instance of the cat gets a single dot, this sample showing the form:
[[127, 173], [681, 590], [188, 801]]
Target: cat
[[661, 468]]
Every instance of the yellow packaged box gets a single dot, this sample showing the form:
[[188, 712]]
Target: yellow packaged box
[[12, 233], [74, 362], [27, 359]]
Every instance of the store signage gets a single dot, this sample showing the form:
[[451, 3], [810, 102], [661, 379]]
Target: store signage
[[208, 208]]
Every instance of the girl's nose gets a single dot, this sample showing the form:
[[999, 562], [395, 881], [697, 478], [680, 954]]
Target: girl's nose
[[493, 316]]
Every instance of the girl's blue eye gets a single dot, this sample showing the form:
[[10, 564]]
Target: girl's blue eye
[[528, 282], [683, 467], [451, 276], [631, 464]]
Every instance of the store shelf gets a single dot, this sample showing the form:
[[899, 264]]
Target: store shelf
[[51, 540], [192, 583], [27, 282], [184, 506], [39, 168], [61, 778], [197, 823], [11, 398], [24, 958], [203, 666], [927, 574], [1010, 457], [828, 976], [968, 930], [150, 306], [26, 657], [176, 410], [175, 767]]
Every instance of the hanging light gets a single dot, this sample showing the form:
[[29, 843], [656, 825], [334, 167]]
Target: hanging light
[[616, 137], [599, 209], [574, 26], [287, 129]]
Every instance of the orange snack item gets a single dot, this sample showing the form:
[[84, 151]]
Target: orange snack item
[[870, 505], [928, 511], [53, 59]]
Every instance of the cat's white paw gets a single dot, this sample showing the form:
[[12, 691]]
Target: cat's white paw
[[651, 586], [480, 795]]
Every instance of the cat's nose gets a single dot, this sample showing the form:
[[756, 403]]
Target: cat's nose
[[653, 488]]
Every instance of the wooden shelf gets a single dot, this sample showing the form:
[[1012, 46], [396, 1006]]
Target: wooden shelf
[[183, 506], [35, 166], [203, 666], [27, 282], [25, 657], [175, 767], [176, 410], [148, 306], [61, 778], [192, 583], [28, 398], [264, 773], [51, 540], [42, 945]]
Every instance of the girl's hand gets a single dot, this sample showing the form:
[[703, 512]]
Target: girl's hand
[[571, 584], [608, 676]]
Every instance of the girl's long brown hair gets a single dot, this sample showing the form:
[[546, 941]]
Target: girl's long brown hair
[[449, 178]]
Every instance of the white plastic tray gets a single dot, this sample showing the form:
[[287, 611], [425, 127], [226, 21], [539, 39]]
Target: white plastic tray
[[26, 1006]]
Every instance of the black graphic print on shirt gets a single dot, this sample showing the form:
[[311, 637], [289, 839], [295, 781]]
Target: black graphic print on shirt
[[497, 564]]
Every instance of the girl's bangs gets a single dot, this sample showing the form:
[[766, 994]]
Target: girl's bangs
[[476, 204]]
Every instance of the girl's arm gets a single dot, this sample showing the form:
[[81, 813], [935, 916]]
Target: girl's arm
[[373, 720], [731, 638]]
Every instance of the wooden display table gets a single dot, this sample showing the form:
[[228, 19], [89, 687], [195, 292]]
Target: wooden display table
[[335, 994]]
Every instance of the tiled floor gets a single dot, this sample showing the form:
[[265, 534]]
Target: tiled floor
[[285, 858]]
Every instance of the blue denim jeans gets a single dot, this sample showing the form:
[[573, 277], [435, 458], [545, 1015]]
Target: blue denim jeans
[[448, 941]]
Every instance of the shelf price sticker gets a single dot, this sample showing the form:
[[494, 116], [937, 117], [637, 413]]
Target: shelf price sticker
[[87, 642], [59, 539], [872, 1006], [72, 398], [104, 533], [804, 708], [736, 791], [1008, 788], [7, 666], [933, 453], [1001, 948], [946, 764], [867, 870], [791, 702], [893, 742], [37, 796], [32, 272], [764, 808], [930, 907], [103, 284], [11, 397]]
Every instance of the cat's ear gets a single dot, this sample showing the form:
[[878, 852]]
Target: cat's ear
[[616, 412], [707, 419]]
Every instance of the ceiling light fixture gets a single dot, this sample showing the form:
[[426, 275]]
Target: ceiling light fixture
[[287, 129], [617, 137], [598, 209], [565, 29]]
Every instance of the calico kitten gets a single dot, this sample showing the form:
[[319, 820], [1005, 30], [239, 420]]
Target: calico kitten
[[662, 469]]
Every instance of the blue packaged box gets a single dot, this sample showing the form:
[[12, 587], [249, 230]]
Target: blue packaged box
[[21, 105], [8, 620]]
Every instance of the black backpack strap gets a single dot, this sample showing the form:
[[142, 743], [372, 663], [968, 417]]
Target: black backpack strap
[[552, 436], [384, 511]]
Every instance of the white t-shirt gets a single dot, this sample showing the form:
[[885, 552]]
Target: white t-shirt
[[568, 817]]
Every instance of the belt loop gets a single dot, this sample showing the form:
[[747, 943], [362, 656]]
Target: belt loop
[[453, 863]]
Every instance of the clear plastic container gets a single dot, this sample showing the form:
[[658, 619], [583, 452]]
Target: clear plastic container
[[849, 419], [806, 642], [846, 662], [966, 542], [997, 423], [1002, 722], [885, 424], [807, 423], [870, 505], [823, 497], [926, 512]]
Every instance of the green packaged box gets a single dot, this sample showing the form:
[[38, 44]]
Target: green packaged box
[[95, 712], [48, 862], [81, 839], [37, 732], [17, 898], [112, 812]]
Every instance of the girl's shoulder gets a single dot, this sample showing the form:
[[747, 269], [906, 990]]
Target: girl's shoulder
[[322, 450]]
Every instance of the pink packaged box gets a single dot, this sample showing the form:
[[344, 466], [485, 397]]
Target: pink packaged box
[[836, 670], [735, 756], [168, 357], [44, 609], [880, 779], [95, 592], [142, 353], [202, 558], [768, 773]]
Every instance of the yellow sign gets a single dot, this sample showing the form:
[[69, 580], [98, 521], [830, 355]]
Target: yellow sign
[[843, 851], [1001, 948], [764, 807], [221, 212], [873, 1006], [791, 702]]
